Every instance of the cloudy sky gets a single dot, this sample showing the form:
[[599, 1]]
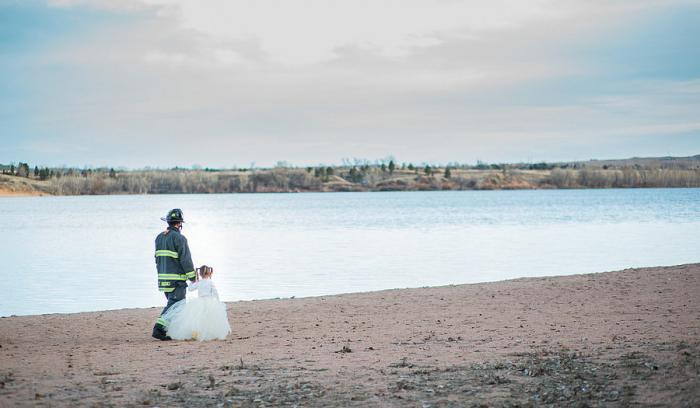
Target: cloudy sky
[[229, 82]]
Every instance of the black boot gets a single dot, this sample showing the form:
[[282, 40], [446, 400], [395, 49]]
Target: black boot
[[159, 333]]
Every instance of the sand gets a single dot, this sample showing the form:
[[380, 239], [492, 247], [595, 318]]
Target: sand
[[13, 186], [10, 193], [621, 338]]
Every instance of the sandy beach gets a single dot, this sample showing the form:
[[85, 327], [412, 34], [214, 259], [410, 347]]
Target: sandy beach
[[622, 338]]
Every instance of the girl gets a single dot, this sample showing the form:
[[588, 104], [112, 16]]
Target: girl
[[201, 318]]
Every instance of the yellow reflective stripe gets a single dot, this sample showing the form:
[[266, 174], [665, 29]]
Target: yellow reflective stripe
[[171, 276], [165, 252], [191, 274], [167, 290], [162, 321]]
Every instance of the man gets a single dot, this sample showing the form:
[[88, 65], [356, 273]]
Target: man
[[174, 265]]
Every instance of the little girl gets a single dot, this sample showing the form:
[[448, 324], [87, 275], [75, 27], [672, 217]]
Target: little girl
[[201, 318]]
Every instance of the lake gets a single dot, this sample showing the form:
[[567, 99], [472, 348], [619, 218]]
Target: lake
[[71, 254]]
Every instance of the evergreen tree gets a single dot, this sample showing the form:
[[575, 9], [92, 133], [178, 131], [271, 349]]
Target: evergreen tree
[[392, 166], [383, 168], [428, 170], [12, 169], [448, 173], [36, 171], [112, 173], [355, 175], [410, 166], [320, 172], [23, 169]]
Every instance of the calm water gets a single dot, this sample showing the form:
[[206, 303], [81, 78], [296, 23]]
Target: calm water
[[68, 254]]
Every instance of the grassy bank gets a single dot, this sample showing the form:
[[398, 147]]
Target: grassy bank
[[632, 173]]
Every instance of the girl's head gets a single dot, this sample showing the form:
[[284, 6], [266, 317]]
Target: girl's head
[[205, 272]]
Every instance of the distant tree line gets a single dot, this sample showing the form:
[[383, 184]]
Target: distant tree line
[[360, 175], [628, 177], [45, 173]]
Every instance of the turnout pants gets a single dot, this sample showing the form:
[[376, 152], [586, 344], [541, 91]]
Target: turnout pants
[[172, 297]]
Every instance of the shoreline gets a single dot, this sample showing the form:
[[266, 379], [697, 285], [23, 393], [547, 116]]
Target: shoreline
[[232, 303], [685, 173], [609, 338], [7, 193]]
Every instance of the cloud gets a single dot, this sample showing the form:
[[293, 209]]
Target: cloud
[[311, 32], [267, 80]]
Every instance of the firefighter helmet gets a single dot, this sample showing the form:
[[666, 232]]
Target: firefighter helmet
[[174, 215]]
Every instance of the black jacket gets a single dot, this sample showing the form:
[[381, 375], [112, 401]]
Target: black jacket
[[173, 260]]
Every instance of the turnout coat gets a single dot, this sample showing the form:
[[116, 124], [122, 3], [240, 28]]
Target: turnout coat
[[173, 260]]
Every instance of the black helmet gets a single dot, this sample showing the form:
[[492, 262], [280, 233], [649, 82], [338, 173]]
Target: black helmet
[[174, 215]]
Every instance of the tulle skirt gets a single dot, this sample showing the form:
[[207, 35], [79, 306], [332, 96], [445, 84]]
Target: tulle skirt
[[202, 318]]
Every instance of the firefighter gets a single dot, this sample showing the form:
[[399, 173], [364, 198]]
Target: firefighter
[[174, 265]]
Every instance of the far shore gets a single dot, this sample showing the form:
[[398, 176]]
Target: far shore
[[622, 338], [659, 172]]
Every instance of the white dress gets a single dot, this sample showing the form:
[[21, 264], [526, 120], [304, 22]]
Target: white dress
[[201, 318]]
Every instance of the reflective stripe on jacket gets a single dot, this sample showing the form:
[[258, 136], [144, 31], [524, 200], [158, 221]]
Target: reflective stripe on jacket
[[173, 260]]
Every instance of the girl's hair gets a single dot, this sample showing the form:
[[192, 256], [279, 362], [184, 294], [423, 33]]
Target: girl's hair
[[205, 271]]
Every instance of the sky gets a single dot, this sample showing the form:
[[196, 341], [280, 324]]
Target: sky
[[235, 83]]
